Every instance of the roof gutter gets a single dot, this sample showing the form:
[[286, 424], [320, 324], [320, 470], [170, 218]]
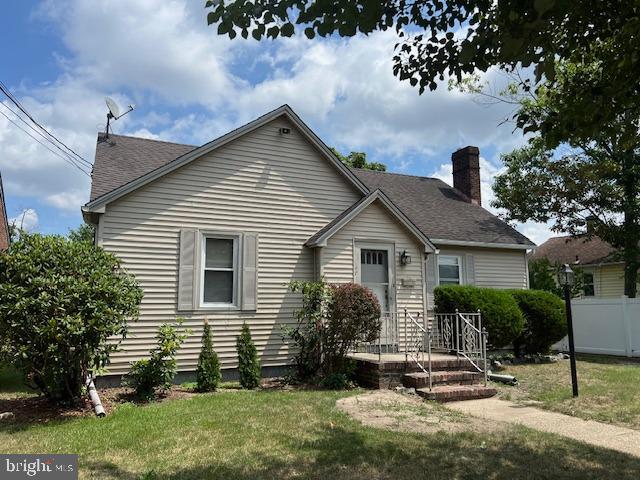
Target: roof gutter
[[465, 243]]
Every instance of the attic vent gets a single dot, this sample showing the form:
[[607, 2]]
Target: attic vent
[[285, 131]]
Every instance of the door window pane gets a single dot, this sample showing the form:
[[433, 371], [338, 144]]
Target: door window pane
[[374, 269]]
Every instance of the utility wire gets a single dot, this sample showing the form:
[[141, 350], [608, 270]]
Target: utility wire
[[17, 103], [65, 158], [38, 132]]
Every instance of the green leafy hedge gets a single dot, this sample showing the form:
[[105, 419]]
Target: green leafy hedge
[[546, 321], [501, 315]]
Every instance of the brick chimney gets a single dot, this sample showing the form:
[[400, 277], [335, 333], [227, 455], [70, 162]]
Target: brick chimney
[[466, 172]]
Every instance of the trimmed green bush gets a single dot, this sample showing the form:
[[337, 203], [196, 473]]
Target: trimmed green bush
[[248, 361], [154, 375], [63, 307], [546, 321], [208, 375], [501, 315]]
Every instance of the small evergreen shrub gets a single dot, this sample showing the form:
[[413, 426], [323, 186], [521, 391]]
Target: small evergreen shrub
[[501, 315], [154, 375], [546, 321], [208, 375], [248, 361]]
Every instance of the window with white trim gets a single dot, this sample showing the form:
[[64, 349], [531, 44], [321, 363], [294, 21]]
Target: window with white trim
[[588, 286], [449, 271], [219, 271]]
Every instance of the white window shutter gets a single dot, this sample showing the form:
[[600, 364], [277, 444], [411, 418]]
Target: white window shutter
[[249, 271], [470, 269], [187, 270], [432, 277]]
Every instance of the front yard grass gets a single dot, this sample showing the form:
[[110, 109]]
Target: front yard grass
[[298, 434], [609, 388]]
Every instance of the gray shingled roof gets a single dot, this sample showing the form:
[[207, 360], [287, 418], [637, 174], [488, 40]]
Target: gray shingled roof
[[120, 159], [438, 210], [585, 250], [441, 211]]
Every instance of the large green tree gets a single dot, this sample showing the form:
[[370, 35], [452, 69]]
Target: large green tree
[[359, 160], [571, 177], [455, 38]]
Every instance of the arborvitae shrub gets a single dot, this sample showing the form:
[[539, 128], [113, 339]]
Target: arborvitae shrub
[[208, 375], [248, 361]]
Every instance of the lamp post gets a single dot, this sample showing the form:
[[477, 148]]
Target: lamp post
[[566, 278]]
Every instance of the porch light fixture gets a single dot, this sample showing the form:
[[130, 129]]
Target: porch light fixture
[[566, 279], [405, 259]]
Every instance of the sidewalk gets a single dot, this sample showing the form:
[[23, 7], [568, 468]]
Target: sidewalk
[[598, 434]]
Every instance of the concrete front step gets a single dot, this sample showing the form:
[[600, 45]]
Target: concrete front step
[[450, 377], [454, 393]]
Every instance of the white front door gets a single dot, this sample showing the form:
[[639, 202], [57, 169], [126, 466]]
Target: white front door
[[374, 274]]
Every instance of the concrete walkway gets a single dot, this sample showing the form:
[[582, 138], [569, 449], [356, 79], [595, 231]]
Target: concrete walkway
[[599, 434]]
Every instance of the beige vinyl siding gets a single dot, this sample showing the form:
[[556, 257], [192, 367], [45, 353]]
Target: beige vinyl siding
[[275, 185], [610, 280], [376, 224], [495, 268]]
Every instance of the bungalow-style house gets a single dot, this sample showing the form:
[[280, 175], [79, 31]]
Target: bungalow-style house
[[5, 237], [602, 267], [218, 231]]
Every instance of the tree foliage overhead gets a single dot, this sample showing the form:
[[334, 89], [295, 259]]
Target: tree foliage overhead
[[439, 39], [359, 160]]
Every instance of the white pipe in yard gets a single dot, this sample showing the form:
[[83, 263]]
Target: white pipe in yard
[[95, 399]]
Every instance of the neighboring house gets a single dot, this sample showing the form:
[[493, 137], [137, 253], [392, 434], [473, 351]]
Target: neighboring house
[[218, 231], [5, 237], [603, 271]]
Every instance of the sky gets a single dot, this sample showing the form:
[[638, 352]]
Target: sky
[[189, 85]]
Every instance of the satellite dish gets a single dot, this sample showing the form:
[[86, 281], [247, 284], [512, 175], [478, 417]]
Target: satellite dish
[[114, 112], [113, 107]]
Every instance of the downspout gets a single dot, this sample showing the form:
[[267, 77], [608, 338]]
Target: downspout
[[93, 396]]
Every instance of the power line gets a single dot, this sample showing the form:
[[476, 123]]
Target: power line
[[66, 159], [17, 103], [39, 133]]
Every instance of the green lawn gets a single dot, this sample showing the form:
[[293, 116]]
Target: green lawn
[[609, 388], [298, 434]]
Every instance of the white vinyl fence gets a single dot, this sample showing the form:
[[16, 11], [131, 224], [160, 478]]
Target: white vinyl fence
[[608, 326]]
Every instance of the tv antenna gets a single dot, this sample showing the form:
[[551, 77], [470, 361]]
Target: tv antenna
[[114, 112]]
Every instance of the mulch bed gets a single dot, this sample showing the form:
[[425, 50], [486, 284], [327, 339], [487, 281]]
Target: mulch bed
[[37, 409]]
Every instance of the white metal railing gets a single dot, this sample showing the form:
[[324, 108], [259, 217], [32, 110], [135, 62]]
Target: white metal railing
[[416, 338], [389, 339], [463, 334]]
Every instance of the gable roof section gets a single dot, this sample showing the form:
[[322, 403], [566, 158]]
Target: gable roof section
[[4, 221], [333, 227], [105, 196], [569, 250], [443, 213]]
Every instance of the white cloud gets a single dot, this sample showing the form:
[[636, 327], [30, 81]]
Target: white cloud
[[26, 220], [67, 200]]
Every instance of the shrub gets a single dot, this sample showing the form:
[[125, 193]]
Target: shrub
[[248, 361], [353, 316], [60, 301], [332, 320], [307, 334], [208, 375], [546, 322], [500, 313], [155, 374]]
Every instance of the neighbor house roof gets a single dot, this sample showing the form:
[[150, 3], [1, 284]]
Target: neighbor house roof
[[330, 229], [575, 249], [4, 222], [443, 213]]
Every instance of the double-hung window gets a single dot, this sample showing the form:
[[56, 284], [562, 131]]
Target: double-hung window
[[588, 286], [449, 270], [219, 271]]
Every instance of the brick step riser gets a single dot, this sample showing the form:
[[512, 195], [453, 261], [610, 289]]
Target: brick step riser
[[457, 396], [438, 383]]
